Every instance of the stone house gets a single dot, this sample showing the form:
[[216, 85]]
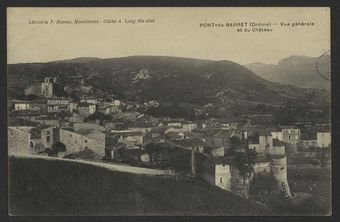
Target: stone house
[[86, 109], [131, 138], [73, 107], [19, 139], [323, 139], [76, 118], [263, 143], [83, 139], [291, 135], [57, 108], [195, 144], [43, 137], [38, 106], [218, 138]]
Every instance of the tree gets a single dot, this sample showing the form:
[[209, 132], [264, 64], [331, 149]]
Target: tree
[[235, 142], [159, 155], [244, 161], [99, 116]]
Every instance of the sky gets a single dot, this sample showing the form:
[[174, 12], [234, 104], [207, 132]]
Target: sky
[[173, 32]]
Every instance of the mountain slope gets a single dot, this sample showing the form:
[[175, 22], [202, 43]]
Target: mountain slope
[[163, 78], [51, 187], [295, 70]]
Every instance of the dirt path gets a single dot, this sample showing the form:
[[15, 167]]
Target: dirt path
[[109, 166]]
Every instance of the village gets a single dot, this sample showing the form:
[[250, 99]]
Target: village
[[229, 155]]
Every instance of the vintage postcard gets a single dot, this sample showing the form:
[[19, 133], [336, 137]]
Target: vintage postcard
[[169, 111]]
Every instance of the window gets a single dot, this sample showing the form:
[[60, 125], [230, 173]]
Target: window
[[85, 141], [220, 179], [48, 139], [48, 132], [70, 135]]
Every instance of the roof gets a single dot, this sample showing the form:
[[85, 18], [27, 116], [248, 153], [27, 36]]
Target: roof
[[21, 101], [264, 133], [85, 132], [277, 142], [21, 122], [189, 142], [85, 104], [305, 136], [223, 159], [42, 127]]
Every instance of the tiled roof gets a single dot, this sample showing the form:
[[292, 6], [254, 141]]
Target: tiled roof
[[277, 142], [20, 122], [189, 142]]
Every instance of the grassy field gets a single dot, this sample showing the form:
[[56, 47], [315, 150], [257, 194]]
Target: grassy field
[[41, 187]]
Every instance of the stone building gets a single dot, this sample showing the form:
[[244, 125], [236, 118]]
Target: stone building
[[263, 143], [223, 173], [323, 139], [83, 139], [86, 109], [291, 135], [44, 135], [19, 139]]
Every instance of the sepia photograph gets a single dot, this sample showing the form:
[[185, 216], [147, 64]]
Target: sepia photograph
[[182, 111]]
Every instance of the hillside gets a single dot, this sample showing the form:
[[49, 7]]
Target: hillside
[[295, 70], [41, 187], [162, 78]]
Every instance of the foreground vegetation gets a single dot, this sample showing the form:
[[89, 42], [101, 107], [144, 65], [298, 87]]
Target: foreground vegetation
[[46, 187]]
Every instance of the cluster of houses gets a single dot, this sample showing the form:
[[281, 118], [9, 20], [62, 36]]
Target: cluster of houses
[[38, 125]]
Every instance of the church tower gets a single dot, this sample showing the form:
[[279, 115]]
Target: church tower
[[47, 87]]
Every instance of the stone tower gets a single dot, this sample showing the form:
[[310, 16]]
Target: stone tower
[[279, 169]]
